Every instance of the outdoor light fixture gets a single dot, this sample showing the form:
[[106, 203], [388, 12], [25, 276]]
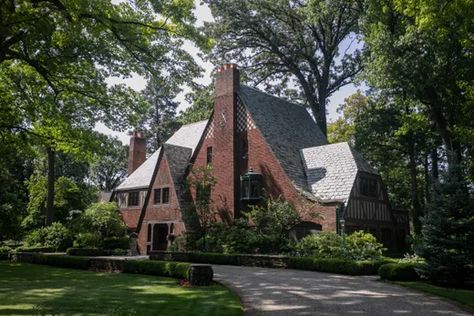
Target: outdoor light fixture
[[251, 186], [343, 223]]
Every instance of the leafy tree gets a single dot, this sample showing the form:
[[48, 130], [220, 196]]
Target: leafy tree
[[160, 122], [343, 129], [448, 232], [55, 57], [110, 166], [201, 99], [282, 43], [422, 50], [15, 169]]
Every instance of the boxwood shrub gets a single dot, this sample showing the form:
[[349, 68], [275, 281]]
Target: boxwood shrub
[[341, 266], [5, 252], [62, 261], [86, 252], [161, 268], [35, 249], [399, 271]]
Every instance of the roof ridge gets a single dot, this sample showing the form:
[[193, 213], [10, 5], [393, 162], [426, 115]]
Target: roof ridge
[[194, 123]]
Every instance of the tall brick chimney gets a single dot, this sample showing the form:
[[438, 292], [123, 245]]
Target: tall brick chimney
[[137, 151], [225, 164]]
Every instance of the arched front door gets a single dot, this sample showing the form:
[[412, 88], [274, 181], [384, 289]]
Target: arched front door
[[160, 234]]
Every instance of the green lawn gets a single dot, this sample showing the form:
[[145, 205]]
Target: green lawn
[[27, 289], [465, 297]]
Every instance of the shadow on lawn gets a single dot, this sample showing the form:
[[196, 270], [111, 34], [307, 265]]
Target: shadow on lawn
[[41, 290]]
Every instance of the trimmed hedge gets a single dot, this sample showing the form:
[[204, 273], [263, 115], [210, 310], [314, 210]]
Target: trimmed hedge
[[161, 268], [116, 243], [36, 249], [272, 261], [86, 252], [340, 266], [62, 261], [399, 271], [93, 252]]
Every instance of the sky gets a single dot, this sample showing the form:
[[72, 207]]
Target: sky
[[203, 14]]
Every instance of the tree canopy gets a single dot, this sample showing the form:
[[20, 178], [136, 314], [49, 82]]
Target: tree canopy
[[293, 47]]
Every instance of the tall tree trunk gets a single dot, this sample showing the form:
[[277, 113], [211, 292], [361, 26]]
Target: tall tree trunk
[[417, 211], [49, 216], [428, 180]]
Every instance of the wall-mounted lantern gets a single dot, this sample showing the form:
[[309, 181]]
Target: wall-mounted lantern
[[251, 186]]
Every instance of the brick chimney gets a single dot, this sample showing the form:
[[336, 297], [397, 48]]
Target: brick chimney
[[225, 163], [137, 151]]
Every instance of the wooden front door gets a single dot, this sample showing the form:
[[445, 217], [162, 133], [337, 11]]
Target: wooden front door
[[160, 234]]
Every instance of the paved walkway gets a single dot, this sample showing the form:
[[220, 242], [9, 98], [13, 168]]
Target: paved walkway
[[293, 292]]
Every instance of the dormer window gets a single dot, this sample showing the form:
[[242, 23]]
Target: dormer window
[[251, 186]]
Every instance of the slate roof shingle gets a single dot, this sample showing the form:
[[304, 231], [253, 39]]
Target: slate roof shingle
[[287, 128], [332, 169], [187, 136]]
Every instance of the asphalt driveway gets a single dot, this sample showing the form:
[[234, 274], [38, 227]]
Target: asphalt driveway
[[294, 292]]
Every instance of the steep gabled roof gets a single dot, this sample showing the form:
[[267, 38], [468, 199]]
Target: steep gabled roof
[[187, 136], [332, 169], [178, 160], [287, 128]]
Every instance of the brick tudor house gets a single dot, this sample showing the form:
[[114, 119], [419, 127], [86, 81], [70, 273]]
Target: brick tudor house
[[256, 143]]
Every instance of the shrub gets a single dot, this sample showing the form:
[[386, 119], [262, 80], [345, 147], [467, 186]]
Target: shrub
[[161, 268], [88, 252], [399, 271], [357, 246], [335, 265], [363, 246], [322, 245], [5, 252], [116, 243], [56, 236], [35, 249], [62, 261], [98, 223], [214, 258]]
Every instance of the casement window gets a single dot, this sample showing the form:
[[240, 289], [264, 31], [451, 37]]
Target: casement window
[[165, 195], [157, 196], [209, 155], [133, 198], [368, 187], [161, 196]]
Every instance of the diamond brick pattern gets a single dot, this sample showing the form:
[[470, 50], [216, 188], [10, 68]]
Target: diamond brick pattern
[[244, 121], [209, 131]]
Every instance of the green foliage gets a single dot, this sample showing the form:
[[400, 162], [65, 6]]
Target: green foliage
[[322, 245], [109, 168], [281, 43], [447, 234], [56, 236], [201, 99], [35, 249], [399, 271], [97, 223], [86, 252], [357, 246], [335, 265], [116, 243], [62, 261], [5, 252], [265, 230], [161, 268], [363, 246]]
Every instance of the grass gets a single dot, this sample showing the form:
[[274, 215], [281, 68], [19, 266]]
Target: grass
[[465, 297], [27, 289]]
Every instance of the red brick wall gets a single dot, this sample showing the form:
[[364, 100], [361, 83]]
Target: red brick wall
[[131, 214], [161, 212], [137, 151]]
